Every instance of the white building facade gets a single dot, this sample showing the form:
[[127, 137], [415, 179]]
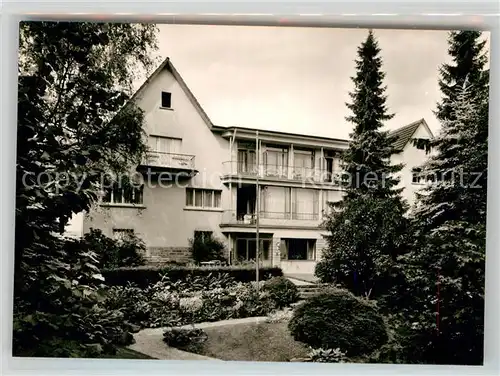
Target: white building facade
[[200, 177]]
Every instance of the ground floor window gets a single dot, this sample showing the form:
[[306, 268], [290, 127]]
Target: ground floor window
[[203, 235], [298, 249], [246, 249]]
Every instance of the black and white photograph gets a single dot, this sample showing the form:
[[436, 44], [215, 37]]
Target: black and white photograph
[[251, 193]]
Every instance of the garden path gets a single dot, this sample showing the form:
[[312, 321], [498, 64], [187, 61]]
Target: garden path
[[150, 341]]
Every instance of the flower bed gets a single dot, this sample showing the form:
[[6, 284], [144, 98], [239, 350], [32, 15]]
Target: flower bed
[[194, 300]]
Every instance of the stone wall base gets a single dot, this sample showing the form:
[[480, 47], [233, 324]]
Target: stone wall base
[[160, 255]]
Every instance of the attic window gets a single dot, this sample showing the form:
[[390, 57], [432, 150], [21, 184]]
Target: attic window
[[166, 99], [420, 146]]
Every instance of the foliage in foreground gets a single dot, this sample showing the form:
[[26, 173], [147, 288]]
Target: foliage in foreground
[[282, 291], [67, 315], [439, 315], [338, 319], [74, 127], [445, 272]]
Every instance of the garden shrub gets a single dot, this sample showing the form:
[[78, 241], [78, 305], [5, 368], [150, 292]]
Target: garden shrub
[[155, 306], [282, 291], [185, 339], [68, 316], [338, 319], [327, 356], [144, 276], [112, 253], [205, 247], [249, 302]]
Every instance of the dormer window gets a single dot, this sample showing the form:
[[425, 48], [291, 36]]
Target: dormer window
[[166, 99]]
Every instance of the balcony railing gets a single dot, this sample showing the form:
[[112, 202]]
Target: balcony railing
[[310, 174], [234, 217], [169, 160]]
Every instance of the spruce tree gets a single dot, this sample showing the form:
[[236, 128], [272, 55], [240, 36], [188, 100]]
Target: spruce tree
[[468, 63], [368, 229], [367, 160], [445, 271], [442, 303]]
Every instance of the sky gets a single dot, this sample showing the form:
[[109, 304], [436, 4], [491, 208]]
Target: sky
[[297, 79]]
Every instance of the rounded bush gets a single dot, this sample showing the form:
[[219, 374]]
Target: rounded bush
[[338, 319], [282, 291]]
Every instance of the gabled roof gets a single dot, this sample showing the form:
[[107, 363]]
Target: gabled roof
[[167, 64], [404, 134]]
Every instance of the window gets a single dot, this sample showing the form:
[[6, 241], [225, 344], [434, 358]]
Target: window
[[203, 198], [247, 158], [275, 202], [202, 235], [246, 249], [303, 163], [299, 249], [276, 161], [305, 204], [165, 144], [166, 99], [420, 177], [122, 233], [416, 176], [123, 195], [289, 203]]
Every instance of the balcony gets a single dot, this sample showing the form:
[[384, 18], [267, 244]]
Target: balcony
[[238, 170], [177, 165], [232, 217]]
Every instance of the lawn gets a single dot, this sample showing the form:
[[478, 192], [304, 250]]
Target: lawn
[[264, 342]]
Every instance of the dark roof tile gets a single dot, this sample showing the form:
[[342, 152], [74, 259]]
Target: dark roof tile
[[403, 134]]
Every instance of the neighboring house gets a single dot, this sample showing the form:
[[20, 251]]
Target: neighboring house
[[215, 171], [411, 156]]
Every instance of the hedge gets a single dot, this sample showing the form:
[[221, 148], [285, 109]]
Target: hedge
[[143, 276]]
